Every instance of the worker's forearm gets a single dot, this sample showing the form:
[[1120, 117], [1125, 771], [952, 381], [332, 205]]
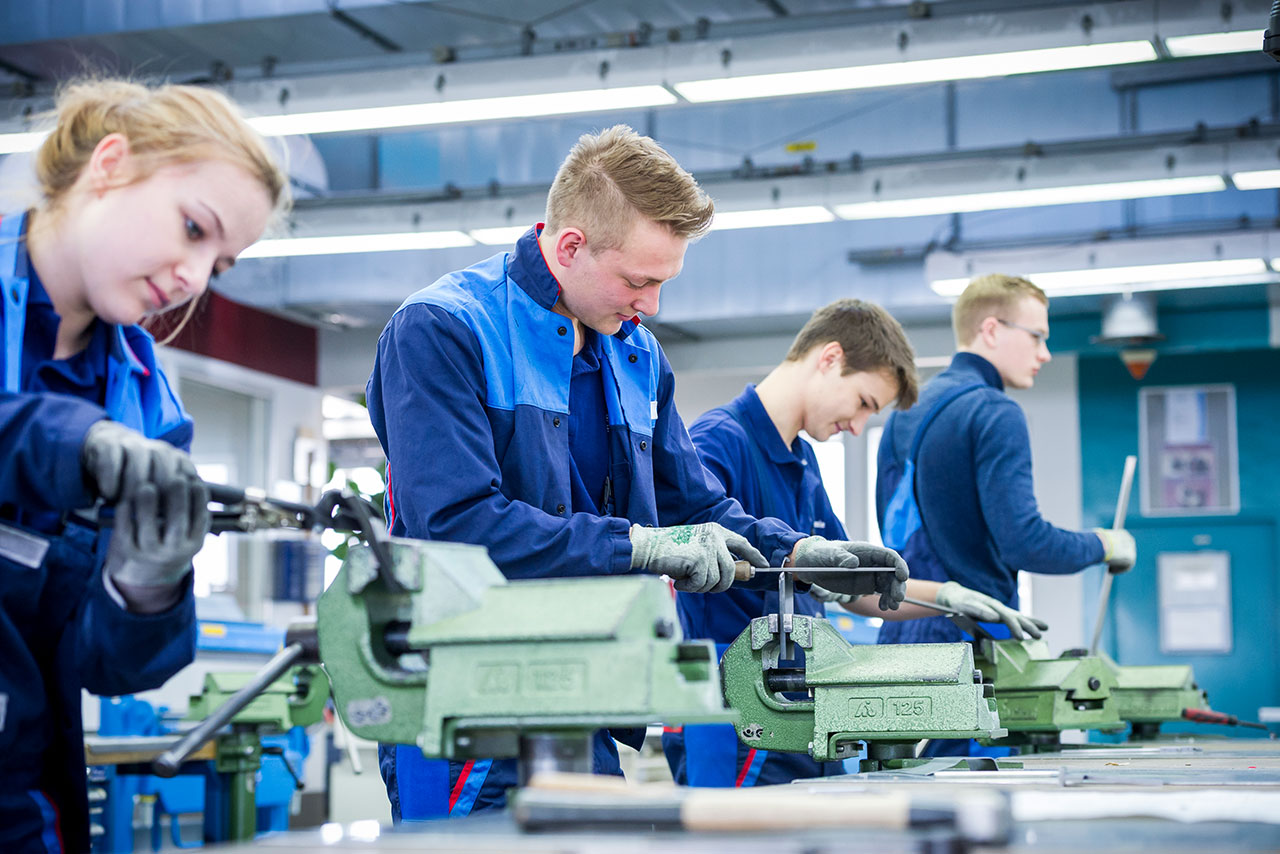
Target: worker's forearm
[[917, 588]]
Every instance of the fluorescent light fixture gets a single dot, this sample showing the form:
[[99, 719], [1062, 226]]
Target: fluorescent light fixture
[[502, 236], [915, 71], [1147, 277], [998, 200], [351, 243], [1208, 44], [472, 110], [11, 143], [1262, 179], [802, 215]]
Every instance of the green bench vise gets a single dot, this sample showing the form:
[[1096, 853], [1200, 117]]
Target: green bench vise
[[1150, 695], [297, 698], [438, 649], [273, 700], [1039, 695], [888, 696], [427, 643]]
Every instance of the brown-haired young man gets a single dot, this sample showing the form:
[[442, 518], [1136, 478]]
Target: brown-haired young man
[[523, 407], [850, 360]]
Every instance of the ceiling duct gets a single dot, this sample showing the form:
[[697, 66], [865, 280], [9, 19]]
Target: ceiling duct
[[891, 52], [902, 187]]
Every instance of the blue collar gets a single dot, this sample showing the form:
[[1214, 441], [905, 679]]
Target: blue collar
[[763, 431], [123, 350], [528, 268], [116, 337], [972, 363], [22, 269], [588, 358]]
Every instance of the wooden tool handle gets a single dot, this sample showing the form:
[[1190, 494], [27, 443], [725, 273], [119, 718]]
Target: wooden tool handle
[[738, 810], [743, 571], [568, 781]]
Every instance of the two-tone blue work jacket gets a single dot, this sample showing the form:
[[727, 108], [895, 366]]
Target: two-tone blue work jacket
[[60, 630], [469, 396]]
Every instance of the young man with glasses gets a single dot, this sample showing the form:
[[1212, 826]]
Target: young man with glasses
[[972, 516]]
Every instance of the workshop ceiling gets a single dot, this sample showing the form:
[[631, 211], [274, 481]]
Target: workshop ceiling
[[830, 152], [195, 40]]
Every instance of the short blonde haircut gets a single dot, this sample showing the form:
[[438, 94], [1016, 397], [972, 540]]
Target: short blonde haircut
[[992, 295], [165, 125], [612, 177]]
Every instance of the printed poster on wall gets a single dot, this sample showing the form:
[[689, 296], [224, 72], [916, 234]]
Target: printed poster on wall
[[1189, 452]]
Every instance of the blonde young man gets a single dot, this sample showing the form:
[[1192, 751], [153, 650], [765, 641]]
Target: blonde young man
[[978, 523], [954, 489], [523, 407]]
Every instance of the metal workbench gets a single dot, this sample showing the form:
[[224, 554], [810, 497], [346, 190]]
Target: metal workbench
[[1097, 799]]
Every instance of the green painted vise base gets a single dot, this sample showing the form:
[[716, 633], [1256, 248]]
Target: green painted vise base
[[887, 693], [1042, 695], [486, 659], [1149, 695], [295, 699]]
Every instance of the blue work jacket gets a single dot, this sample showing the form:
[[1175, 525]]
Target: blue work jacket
[[980, 523], [742, 448], [469, 396], [60, 630]]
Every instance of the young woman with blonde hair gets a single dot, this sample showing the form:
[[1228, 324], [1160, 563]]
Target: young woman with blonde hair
[[147, 192]]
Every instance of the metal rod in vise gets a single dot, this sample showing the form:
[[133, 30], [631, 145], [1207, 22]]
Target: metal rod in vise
[[168, 763], [786, 608], [1122, 507], [744, 571]]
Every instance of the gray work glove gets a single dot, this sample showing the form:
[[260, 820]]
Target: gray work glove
[[698, 558], [157, 533], [117, 460], [982, 607], [891, 584], [1119, 550]]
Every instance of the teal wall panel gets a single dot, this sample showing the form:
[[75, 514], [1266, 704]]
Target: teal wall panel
[[1249, 676]]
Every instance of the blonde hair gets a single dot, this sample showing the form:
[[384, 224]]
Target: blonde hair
[[165, 125], [992, 295], [614, 176]]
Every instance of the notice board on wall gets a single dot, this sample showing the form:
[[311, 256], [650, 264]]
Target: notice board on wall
[[1189, 463], [1195, 601]]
